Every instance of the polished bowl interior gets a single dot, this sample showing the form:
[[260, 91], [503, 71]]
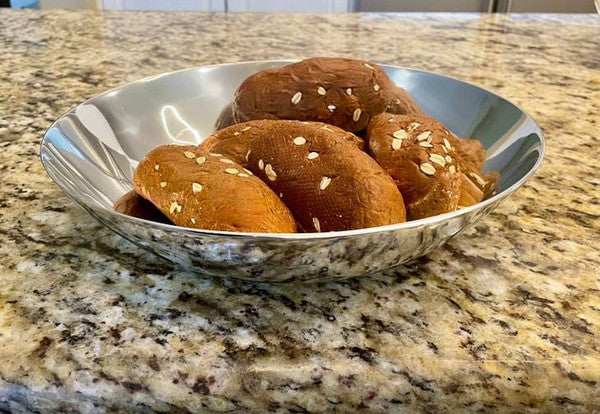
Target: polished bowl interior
[[92, 151]]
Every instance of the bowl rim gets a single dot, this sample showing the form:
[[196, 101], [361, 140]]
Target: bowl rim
[[428, 221]]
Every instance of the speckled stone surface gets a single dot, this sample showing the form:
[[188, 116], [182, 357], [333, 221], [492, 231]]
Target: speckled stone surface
[[505, 318]]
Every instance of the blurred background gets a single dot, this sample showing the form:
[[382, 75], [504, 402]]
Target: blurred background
[[319, 6]]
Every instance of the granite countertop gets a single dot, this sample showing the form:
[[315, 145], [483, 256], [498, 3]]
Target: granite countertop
[[505, 318]]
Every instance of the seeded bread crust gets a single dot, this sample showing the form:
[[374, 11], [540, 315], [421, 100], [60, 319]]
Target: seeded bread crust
[[342, 92], [319, 172], [197, 189], [471, 157], [237, 140], [420, 155]]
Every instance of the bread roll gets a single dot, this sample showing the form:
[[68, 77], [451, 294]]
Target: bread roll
[[209, 191], [471, 152], [341, 92], [420, 155], [236, 141], [133, 204], [319, 172], [225, 118]]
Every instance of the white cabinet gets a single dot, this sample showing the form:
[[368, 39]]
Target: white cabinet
[[312, 6]]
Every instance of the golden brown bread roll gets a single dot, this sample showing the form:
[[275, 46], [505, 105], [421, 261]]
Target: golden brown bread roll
[[236, 141], [341, 92], [318, 171], [133, 204], [471, 157], [420, 155], [471, 152], [225, 118], [209, 191]]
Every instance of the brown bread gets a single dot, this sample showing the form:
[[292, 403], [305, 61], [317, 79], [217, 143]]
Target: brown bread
[[420, 155], [471, 152], [341, 92], [133, 204], [318, 171], [236, 141], [209, 191]]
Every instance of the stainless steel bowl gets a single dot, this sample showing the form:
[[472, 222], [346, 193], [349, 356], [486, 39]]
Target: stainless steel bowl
[[92, 151]]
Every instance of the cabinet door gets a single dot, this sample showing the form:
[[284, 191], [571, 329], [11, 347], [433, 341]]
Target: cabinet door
[[546, 6], [423, 5], [309, 6]]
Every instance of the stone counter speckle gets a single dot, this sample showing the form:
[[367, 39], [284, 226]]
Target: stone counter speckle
[[505, 318]]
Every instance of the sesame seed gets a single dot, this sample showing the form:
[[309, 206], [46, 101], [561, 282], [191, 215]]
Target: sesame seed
[[196, 188], [156, 167], [215, 154], [179, 207], [477, 178], [438, 159], [447, 144], [331, 107], [226, 161], [243, 175], [325, 181], [445, 149], [236, 133], [246, 128], [271, 174], [174, 206], [400, 134], [280, 195], [232, 171], [163, 184], [321, 90], [326, 128], [423, 136], [248, 172], [376, 87], [189, 154], [452, 169], [427, 168], [299, 140], [248, 155], [448, 159], [349, 91], [396, 143], [296, 98], [201, 160], [317, 224], [390, 120], [261, 164], [369, 66], [425, 144], [412, 126], [356, 114], [193, 220], [312, 155]]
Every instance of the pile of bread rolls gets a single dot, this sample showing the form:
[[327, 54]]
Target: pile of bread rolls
[[325, 144]]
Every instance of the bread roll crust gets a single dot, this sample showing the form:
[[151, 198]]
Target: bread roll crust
[[420, 155], [338, 91], [236, 141], [318, 170], [197, 189]]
